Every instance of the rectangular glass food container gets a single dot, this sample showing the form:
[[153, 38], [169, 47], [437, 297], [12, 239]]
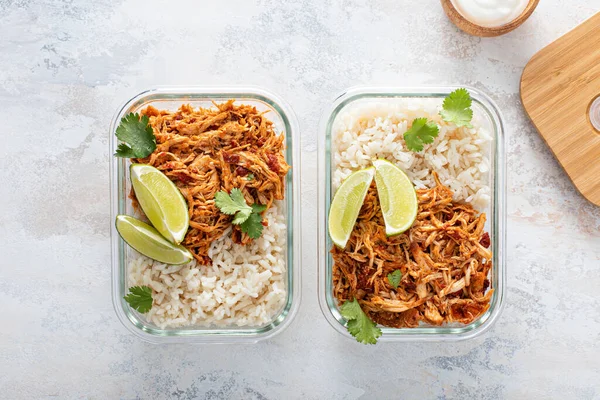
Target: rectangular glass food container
[[495, 225], [285, 123]]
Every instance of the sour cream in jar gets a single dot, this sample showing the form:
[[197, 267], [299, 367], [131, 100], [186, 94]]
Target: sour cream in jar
[[490, 13]]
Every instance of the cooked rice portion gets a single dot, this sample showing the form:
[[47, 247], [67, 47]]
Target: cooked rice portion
[[444, 260], [244, 286], [206, 150], [365, 131]]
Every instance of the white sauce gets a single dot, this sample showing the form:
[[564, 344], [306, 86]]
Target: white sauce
[[490, 13]]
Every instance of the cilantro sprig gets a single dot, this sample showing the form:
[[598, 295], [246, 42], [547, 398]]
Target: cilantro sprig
[[247, 216], [140, 298], [457, 108], [359, 325], [137, 135], [394, 278], [421, 132], [231, 203]]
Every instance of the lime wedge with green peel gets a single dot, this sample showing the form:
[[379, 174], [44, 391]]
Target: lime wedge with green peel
[[149, 242], [346, 205], [161, 201], [397, 197]]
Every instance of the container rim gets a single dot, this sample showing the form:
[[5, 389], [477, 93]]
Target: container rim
[[499, 206], [294, 234]]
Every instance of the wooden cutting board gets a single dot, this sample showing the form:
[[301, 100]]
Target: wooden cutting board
[[558, 87]]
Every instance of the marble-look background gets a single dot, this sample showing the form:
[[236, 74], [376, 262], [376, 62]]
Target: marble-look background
[[65, 66]]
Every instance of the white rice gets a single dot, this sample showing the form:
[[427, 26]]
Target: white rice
[[244, 286], [367, 130]]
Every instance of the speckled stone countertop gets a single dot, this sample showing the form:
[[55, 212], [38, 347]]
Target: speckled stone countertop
[[65, 66]]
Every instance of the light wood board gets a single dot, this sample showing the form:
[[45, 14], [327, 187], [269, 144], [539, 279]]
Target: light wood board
[[557, 88]]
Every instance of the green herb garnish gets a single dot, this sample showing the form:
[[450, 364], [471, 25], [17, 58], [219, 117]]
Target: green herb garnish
[[140, 298], [232, 203], [394, 278], [248, 217], [253, 226], [250, 177], [258, 208], [457, 108], [359, 325], [421, 132], [137, 135]]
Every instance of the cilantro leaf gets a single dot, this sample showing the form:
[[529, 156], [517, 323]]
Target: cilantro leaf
[[241, 216], [250, 177], [457, 108], [359, 325], [138, 137], [258, 208], [140, 298], [421, 132], [248, 217], [253, 226], [238, 197], [231, 203], [123, 150], [394, 278]]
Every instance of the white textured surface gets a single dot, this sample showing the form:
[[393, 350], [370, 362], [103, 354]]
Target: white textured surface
[[66, 65]]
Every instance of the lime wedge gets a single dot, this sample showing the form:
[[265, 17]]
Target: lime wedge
[[146, 240], [397, 197], [346, 205], [161, 201]]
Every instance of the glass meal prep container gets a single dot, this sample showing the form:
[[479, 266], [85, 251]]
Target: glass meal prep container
[[489, 115], [284, 123]]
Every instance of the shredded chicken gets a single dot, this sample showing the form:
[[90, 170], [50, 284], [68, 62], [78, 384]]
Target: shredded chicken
[[444, 260], [204, 151]]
